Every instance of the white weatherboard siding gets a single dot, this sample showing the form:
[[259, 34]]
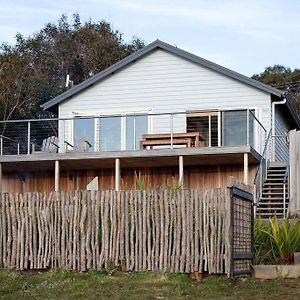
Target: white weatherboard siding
[[281, 129], [163, 82]]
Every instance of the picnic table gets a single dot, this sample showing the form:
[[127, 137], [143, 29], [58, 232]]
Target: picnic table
[[188, 139]]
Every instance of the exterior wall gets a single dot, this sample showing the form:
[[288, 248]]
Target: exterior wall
[[281, 128], [162, 82], [202, 177]]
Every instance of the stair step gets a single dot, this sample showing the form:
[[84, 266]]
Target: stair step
[[270, 214], [279, 175], [271, 204], [277, 164], [275, 180], [269, 209], [271, 200], [272, 188]]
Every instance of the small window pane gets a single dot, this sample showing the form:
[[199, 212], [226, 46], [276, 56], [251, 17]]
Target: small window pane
[[110, 133]]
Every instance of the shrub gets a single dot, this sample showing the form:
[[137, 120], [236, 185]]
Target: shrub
[[275, 241]]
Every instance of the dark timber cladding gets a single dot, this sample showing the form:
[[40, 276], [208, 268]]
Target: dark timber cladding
[[201, 168]]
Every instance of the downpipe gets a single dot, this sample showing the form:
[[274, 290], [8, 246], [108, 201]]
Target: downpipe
[[274, 124]]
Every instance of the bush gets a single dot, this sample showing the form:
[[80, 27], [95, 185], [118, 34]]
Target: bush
[[275, 241]]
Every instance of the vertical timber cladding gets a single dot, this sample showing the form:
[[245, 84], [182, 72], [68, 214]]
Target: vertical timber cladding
[[168, 230], [242, 218], [200, 177]]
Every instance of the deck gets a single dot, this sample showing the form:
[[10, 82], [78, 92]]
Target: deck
[[130, 159], [195, 167]]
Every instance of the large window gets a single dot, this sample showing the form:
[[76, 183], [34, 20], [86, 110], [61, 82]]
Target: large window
[[110, 133], [84, 133], [228, 128], [136, 126]]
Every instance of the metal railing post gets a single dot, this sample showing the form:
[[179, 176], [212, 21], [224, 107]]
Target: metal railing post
[[171, 128], [28, 138], [209, 131], [284, 199], [1, 145], [134, 133], [18, 149], [247, 128]]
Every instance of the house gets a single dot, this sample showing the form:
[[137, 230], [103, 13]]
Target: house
[[159, 117]]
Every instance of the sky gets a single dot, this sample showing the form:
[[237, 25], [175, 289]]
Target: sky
[[245, 36]]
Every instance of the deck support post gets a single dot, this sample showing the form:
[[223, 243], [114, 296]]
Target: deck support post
[[181, 171], [56, 185], [246, 168], [0, 178], [117, 174]]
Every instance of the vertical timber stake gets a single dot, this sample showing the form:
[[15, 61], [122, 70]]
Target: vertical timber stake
[[181, 171], [246, 168], [56, 188], [0, 178], [117, 174]]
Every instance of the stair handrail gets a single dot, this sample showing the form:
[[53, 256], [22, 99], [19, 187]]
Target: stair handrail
[[259, 173], [285, 188]]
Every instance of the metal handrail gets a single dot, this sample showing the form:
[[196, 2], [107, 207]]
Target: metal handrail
[[285, 182], [255, 118], [60, 123], [263, 154], [149, 113], [259, 169]]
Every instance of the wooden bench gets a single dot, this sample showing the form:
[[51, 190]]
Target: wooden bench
[[185, 142], [188, 139]]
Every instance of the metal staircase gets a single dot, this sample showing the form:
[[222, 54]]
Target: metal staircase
[[274, 196]]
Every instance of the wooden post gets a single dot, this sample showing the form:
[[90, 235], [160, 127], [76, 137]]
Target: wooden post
[[117, 174], [246, 168], [181, 170], [0, 178], [56, 185]]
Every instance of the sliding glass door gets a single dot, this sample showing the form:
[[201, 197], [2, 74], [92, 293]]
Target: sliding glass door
[[122, 132], [84, 133], [110, 133], [136, 126]]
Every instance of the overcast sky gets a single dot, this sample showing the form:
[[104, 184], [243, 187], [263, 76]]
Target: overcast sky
[[243, 35]]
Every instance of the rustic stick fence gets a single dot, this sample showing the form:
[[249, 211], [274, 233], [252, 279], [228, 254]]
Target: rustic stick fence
[[176, 231]]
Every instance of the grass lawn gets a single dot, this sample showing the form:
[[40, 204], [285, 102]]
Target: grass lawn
[[97, 285]]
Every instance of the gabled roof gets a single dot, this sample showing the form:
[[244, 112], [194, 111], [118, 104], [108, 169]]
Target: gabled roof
[[176, 51], [148, 49]]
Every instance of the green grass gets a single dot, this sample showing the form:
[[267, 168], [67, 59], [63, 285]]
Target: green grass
[[97, 285]]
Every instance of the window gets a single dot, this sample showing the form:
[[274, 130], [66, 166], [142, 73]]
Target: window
[[110, 133], [84, 131], [136, 126], [207, 124]]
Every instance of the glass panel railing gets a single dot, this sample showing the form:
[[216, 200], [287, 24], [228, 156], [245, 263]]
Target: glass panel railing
[[133, 132]]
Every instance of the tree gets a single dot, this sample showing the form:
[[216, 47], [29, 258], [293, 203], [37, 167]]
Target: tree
[[34, 69], [285, 79]]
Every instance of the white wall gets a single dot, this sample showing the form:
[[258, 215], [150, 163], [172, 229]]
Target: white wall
[[281, 129], [163, 82]]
